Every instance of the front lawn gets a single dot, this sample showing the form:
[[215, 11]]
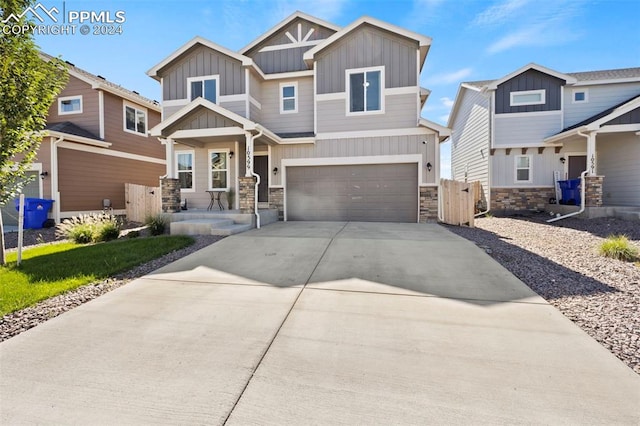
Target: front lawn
[[49, 270]]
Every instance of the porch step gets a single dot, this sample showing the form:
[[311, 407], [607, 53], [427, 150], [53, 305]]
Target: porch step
[[231, 229], [199, 226]]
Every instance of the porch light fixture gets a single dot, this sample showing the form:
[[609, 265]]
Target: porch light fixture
[[275, 170], [43, 175], [429, 166], [230, 155], [563, 160]]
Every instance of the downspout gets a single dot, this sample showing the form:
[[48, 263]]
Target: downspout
[[582, 191], [54, 178], [255, 175], [490, 98]]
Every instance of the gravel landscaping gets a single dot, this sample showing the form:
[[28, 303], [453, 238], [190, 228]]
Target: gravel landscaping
[[560, 262], [19, 321]]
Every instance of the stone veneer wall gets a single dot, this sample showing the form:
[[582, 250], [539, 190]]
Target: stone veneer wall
[[520, 199], [247, 194], [170, 189], [276, 201], [593, 191], [428, 204]]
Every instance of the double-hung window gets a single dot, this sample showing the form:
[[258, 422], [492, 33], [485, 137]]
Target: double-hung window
[[365, 87], [288, 98], [527, 97], [184, 167], [523, 168], [218, 170], [135, 120], [206, 87], [70, 105]]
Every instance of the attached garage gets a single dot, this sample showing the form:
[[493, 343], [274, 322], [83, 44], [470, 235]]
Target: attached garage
[[366, 193]]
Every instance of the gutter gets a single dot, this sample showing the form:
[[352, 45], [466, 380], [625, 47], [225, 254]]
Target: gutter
[[583, 201], [489, 98]]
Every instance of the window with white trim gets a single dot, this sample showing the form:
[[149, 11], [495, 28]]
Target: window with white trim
[[206, 87], [288, 98], [580, 96], [365, 87], [523, 168], [528, 97], [135, 119], [185, 170], [70, 105], [218, 170]]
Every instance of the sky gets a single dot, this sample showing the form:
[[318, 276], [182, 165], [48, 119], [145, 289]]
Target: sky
[[472, 40]]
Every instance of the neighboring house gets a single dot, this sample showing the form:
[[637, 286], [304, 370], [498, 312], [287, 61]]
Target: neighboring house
[[514, 133], [97, 140], [326, 120]]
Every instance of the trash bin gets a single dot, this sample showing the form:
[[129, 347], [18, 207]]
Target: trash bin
[[570, 191], [35, 211]]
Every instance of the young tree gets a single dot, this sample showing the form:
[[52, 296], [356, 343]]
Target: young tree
[[28, 86]]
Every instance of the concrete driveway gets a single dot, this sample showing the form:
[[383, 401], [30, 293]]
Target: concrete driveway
[[318, 323]]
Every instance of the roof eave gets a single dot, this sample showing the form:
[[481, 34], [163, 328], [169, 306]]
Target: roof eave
[[76, 138], [532, 65]]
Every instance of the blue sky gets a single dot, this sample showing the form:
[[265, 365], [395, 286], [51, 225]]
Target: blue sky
[[472, 40]]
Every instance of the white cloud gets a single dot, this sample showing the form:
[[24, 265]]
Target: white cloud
[[444, 119], [499, 13], [452, 77], [446, 101], [535, 36]]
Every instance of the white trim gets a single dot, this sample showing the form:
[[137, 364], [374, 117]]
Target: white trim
[[520, 186], [136, 108], [227, 170], [236, 158], [255, 102], [471, 87], [561, 108], [347, 86], [203, 133], [290, 37], [269, 168], [109, 152], [288, 75], [441, 130], [617, 128], [101, 113], [419, 102], [492, 119], [292, 45], [69, 98], [79, 139], [406, 90], [175, 102], [232, 98], [276, 186], [514, 103], [527, 114], [297, 141], [586, 96], [315, 98], [202, 79], [191, 152], [516, 168], [411, 131], [570, 80], [336, 96], [607, 81], [309, 33], [247, 88], [293, 84]]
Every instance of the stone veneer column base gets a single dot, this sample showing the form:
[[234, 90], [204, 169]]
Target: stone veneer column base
[[247, 194], [428, 204], [170, 189], [520, 199], [593, 191], [276, 201]]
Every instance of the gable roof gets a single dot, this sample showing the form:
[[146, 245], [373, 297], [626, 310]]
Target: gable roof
[[423, 41], [569, 79], [101, 83], [153, 71], [69, 131], [606, 75], [286, 21], [443, 132]]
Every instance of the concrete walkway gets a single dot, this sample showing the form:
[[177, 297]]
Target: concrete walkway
[[318, 323]]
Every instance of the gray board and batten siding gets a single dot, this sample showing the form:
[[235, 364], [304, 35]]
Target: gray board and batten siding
[[283, 60], [201, 118], [530, 80], [202, 61], [367, 46], [300, 121]]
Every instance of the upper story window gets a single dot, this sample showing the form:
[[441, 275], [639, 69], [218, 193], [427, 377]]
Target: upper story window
[[135, 119], [184, 166], [365, 87], [523, 168], [528, 97], [206, 87], [288, 98], [70, 105], [580, 96], [218, 170]]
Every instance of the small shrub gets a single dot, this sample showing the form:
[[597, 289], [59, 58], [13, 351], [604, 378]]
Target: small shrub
[[618, 247], [107, 231], [157, 224], [84, 229], [80, 233]]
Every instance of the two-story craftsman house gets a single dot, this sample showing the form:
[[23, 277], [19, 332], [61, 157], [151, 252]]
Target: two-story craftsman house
[[324, 120]]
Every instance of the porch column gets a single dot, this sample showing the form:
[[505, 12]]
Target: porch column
[[249, 145], [591, 154], [170, 154]]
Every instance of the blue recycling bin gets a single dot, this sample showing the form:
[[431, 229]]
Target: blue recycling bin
[[570, 191], [36, 211]]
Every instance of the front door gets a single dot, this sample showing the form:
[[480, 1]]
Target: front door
[[577, 165], [261, 167]]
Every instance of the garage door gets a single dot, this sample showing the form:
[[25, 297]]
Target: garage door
[[368, 193], [31, 190]]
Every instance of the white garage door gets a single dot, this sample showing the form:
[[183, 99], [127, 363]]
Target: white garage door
[[367, 193]]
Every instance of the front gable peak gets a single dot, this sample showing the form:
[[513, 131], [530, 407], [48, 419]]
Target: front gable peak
[[532, 66]]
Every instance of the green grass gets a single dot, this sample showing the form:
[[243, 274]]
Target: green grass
[[50, 270], [618, 247]]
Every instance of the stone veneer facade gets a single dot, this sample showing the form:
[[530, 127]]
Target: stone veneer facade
[[520, 199], [428, 204], [593, 191], [247, 194], [276, 201], [170, 189]]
